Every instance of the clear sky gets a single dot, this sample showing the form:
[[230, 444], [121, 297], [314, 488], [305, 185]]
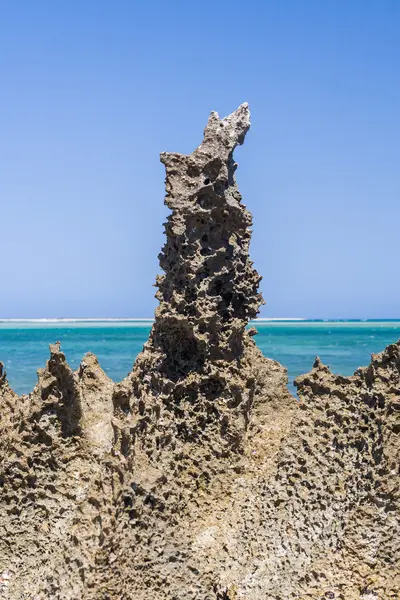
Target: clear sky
[[91, 91]]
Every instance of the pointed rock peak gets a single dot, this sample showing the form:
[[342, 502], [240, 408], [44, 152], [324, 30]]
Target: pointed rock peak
[[320, 368], [391, 353], [230, 130], [388, 359], [56, 366], [5, 389], [3, 374], [318, 364], [56, 388], [96, 394], [89, 361], [319, 373], [90, 369], [55, 349], [56, 360], [221, 136]]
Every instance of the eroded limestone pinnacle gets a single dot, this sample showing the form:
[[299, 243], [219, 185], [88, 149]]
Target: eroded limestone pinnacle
[[209, 290]]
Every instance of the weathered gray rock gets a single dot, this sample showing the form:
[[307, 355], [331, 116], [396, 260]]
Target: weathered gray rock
[[199, 476]]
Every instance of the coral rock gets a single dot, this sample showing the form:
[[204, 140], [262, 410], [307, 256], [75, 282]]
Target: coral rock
[[199, 476]]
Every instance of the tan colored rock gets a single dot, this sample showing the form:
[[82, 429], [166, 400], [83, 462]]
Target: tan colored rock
[[199, 476]]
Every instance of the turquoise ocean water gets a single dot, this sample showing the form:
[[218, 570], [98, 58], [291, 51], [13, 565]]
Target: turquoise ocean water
[[343, 345]]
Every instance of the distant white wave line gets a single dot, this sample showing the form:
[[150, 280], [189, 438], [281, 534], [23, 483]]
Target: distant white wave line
[[67, 320], [113, 320], [280, 319]]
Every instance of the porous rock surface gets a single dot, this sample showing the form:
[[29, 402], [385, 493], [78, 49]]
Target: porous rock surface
[[199, 476]]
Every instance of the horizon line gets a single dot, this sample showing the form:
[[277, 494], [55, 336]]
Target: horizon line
[[151, 319]]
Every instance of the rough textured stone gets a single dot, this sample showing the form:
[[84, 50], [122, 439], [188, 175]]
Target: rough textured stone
[[199, 476]]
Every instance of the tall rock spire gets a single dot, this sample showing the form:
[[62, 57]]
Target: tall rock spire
[[209, 289], [199, 353]]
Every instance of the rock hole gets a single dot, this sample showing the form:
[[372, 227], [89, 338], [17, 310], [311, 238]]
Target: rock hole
[[127, 502]]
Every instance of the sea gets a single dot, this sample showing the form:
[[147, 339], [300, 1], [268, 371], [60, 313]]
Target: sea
[[343, 345]]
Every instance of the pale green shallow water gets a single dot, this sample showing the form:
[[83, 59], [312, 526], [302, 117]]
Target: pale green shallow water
[[343, 345]]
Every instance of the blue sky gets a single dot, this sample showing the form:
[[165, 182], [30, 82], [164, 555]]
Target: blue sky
[[91, 92]]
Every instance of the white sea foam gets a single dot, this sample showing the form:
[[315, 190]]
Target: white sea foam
[[121, 320], [280, 319], [68, 320]]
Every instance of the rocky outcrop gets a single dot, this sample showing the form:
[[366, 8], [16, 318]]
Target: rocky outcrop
[[348, 436], [55, 480], [199, 476]]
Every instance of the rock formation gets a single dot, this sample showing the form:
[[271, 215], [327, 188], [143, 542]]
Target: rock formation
[[199, 476]]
